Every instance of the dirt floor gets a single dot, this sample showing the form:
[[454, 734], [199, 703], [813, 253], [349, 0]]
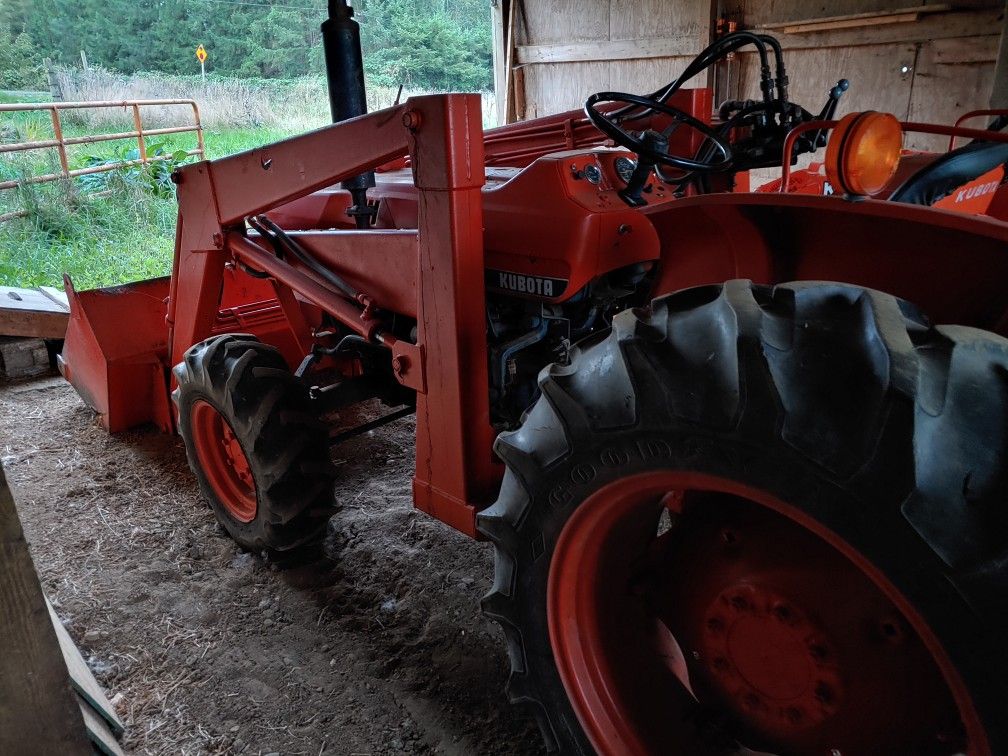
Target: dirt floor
[[377, 647]]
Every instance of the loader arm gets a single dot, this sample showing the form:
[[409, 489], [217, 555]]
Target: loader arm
[[226, 279]]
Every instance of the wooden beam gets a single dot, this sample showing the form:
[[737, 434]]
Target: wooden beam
[[930, 27], [39, 710], [499, 57], [509, 104], [605, 50], [850, 23], [856, 20], [519, 94], [56, 295], [999, 91], [81, 678], [29, 312]]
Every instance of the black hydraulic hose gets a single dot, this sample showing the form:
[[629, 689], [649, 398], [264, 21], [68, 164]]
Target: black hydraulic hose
[[296, 250], [706, 58], [712, 53], [782, 77]]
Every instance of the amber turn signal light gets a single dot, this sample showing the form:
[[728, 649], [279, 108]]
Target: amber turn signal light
[[863, 152]]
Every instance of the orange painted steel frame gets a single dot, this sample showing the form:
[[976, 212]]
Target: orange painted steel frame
[[443, 137]]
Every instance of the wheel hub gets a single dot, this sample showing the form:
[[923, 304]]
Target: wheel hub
[[223, 461], [235, 456], [770, 659]]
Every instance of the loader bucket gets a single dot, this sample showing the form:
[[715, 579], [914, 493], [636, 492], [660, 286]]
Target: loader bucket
[[116, 352]]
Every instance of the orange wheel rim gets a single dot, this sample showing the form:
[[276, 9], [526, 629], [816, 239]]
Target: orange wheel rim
[[223, 461], [658, 638]]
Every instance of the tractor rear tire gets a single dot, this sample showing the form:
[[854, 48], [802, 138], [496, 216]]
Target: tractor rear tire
[[770, 517], [258, 451]]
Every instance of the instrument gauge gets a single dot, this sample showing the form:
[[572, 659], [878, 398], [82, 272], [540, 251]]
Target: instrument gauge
[[624, 168]]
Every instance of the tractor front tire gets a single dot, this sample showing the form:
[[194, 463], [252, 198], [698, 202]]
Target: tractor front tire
[[259, 453], [759, 517]]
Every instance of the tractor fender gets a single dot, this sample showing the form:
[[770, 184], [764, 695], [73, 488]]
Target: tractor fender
[[952, 265]]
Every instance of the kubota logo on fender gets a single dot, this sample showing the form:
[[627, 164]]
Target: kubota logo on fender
[[519, 283], [977, 191]]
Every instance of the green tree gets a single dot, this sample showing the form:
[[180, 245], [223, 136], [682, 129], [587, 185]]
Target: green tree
[[433, 44], [20, 65], [427, 45]]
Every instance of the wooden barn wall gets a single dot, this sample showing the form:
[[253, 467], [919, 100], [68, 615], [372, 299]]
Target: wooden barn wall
[[929, 69], [932, 69], [567, 49]]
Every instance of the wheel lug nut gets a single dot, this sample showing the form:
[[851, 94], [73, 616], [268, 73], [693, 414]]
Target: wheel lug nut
[[794, 715], [823, 693], [891, 629], [783, 612]]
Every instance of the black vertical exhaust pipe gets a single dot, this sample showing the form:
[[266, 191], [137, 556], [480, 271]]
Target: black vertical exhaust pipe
[[344, 65]]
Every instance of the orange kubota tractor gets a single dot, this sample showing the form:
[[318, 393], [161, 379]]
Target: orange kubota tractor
[[729, 513]]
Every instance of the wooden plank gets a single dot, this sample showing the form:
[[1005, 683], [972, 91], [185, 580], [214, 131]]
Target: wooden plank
[[851, 23], [930, 27], [509, 112], [999, 88], [763, 13], [40, 325], [39, 713], [81, 678], [56, 295], [853, 20], [519, 94], [499, 57], [608, 50], [99, 732], [29, 312]]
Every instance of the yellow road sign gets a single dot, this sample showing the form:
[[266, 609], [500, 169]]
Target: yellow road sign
[[201, 54]]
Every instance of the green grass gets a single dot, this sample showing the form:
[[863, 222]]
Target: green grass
[[100, 241], [8, 96]]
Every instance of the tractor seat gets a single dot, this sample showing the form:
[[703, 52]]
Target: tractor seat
[[948, 172]]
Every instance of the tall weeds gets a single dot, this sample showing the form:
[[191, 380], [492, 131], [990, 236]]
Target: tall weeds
[[293, 105]]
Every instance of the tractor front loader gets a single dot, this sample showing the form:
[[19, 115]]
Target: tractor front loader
[[730, 514]]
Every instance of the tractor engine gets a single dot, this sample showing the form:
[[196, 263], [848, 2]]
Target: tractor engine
[[527, 332]]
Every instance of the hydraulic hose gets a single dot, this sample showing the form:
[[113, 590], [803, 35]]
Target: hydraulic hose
[[272, 231], [706, 58]]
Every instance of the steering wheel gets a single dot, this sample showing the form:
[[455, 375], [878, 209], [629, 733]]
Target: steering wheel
[[608, 125]]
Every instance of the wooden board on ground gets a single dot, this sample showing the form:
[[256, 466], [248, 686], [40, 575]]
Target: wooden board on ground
[[100, 733], [82, 679], [40, 713], [32, 312]]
